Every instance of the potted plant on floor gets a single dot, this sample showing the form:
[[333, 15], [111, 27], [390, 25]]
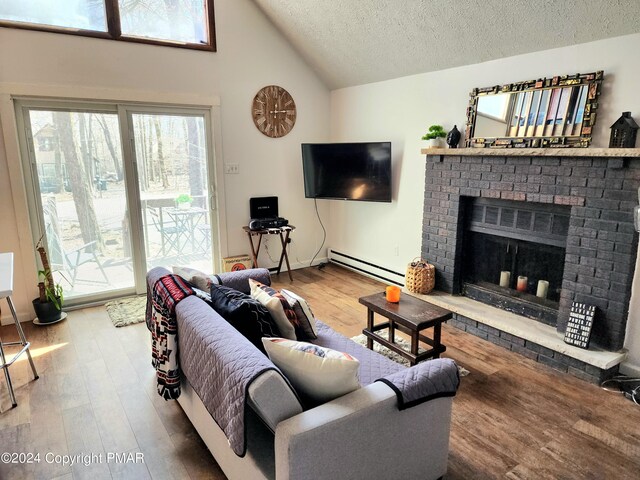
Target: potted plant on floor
[[434, 136], [48, 305]]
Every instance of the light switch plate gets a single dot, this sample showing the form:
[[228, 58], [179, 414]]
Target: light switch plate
[[232, 168]]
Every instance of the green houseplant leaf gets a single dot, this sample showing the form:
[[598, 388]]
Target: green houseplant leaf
[[184, 198], [435, 131], [49, 290]]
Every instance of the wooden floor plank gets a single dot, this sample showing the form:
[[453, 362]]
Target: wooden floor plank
[[83, 439], [16, 440], [151, 435], [113, 425], [47, 427], [126, 468], [625, 447], [195, 457], [512, 418]]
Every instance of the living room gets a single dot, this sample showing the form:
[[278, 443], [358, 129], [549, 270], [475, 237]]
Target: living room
[[343, 92]]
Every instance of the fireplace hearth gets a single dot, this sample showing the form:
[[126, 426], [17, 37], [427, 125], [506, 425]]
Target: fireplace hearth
[[562, 219]]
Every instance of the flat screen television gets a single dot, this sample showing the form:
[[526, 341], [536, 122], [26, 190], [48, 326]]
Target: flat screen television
[[347, 171]]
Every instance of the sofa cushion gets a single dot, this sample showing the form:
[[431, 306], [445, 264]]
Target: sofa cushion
[[246, 314], [372, 364], [282, 313], [318, 374], [303, 313]]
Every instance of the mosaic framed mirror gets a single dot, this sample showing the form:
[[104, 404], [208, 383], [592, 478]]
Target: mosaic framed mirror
[[549, 112]]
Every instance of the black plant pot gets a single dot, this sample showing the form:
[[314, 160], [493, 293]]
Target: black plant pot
[[46, 312]]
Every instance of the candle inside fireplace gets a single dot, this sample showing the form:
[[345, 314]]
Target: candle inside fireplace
[[543, 289], [505, 279], [521, 286]]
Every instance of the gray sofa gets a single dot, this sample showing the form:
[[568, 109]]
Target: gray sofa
[[361, 435]]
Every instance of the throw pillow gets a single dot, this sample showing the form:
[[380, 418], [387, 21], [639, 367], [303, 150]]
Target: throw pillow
[[304, 314], [279, 308], [244, 313], [319, 374], [195, 277]]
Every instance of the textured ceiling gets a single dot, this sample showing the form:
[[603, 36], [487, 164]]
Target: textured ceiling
[[352, 42]]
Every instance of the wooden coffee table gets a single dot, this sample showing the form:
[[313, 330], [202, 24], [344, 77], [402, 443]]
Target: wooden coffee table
[[410, 316]]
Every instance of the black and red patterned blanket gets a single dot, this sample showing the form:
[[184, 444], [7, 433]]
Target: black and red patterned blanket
[[162, 299]]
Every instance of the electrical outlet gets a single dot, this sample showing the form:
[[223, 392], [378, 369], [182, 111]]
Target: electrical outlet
[[396, 250], [232, 168]]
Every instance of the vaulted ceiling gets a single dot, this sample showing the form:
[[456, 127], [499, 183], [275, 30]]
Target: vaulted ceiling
[[352, 42]]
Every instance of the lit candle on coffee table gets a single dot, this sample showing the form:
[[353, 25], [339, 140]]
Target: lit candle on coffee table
[[543, 289], [521, 286], [505, 279]]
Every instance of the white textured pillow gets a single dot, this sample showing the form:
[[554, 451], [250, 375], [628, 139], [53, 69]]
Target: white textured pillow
[[274, 305], [319, 373]]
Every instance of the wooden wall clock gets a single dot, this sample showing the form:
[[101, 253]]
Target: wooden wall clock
[[273, 111]]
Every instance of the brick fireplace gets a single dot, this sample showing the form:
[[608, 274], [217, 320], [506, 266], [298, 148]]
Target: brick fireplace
[[588, 204]]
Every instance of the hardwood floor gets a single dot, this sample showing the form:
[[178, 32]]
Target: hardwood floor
[[512, 418]]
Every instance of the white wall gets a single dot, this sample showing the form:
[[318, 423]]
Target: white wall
[[400, 110], [251, 54]]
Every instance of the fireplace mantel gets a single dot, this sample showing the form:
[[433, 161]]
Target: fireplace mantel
[[535, 152]]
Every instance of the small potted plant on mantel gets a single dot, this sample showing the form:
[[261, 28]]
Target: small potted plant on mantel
[[184, 201], [434, 136], [48, 305]]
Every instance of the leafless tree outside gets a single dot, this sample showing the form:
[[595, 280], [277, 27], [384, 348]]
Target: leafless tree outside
[[78, 180]]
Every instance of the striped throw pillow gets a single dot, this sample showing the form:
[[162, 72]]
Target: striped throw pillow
[[279, 308]]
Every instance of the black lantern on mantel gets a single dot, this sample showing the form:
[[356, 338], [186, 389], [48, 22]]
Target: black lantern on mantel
[[624, 132]]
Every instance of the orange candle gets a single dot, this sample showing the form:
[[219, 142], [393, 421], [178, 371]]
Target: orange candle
[[393, 294], [521, 286]]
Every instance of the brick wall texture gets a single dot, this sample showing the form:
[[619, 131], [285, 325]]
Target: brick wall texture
[[602, 241]]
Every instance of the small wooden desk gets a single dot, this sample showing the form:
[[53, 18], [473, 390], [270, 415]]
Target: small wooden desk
[[410, 316], [284, 233], [6, 290]]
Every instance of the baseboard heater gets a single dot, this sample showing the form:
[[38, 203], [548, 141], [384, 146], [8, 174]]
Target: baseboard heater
[[366, 268]]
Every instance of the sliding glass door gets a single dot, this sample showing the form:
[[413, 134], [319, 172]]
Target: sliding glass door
[[78, 186], [171, 161], [117, 189]]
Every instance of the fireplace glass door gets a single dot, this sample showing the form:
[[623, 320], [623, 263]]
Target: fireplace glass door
[[513, 255], [502, 264]]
